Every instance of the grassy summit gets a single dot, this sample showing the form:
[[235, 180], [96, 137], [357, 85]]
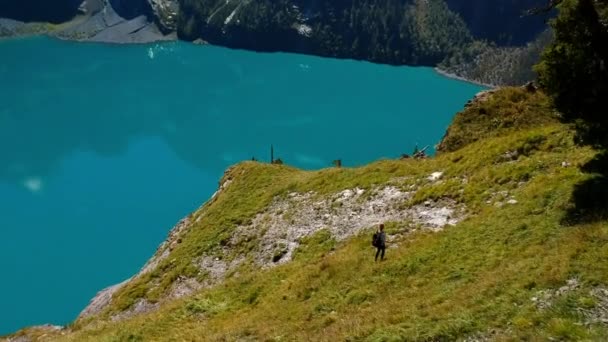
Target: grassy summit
[[509, 269]]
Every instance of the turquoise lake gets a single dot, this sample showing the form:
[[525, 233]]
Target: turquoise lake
[[103, 148]]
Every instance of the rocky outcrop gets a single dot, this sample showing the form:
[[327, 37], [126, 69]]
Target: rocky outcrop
[[344, 214], [111, 21], [166, 13], [11, 27], [274, 235], [480, 119], [104, 298], [101, 300], [117, 21]]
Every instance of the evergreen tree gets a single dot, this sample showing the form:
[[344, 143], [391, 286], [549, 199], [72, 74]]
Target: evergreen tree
[[574, 69]]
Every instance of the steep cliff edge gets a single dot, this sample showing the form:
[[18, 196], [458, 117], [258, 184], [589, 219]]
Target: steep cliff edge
[[478, 249]]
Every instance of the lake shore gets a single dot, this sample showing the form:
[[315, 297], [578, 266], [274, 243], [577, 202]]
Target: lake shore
[[148, 33], [138, 30], [447, 74]]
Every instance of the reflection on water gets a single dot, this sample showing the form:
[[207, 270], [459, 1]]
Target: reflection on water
[[103, 147]]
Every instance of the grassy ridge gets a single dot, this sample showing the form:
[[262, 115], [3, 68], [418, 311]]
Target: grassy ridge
[[498, 112], [481, 278], [476, 277]]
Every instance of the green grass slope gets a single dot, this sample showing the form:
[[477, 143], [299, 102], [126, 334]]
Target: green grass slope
[[510, 271]]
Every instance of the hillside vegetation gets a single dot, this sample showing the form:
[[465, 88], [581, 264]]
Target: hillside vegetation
[[388, 31], [502, 265], [491, 43], [496, 112]]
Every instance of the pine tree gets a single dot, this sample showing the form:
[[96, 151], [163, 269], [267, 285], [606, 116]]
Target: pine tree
[[574, 69]]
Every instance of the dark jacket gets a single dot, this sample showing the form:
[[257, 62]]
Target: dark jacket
[[381, 239]]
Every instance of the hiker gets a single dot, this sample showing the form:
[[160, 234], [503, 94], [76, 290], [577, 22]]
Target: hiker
[[379, 241]]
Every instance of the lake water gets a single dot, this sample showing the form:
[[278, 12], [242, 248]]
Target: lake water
[[103, 147]]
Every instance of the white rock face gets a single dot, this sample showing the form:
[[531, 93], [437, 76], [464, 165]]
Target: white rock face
[[166, 11], [343, 214], [435, 176], [436, 218], [304, 30]]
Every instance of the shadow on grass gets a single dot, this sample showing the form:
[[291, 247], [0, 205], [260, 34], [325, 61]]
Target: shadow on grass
[[590, 197]]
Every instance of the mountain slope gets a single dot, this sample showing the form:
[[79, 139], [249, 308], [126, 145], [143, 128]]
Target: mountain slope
[[471, 39], [481, 41], [386, 31], [478, 249], [503, 22]]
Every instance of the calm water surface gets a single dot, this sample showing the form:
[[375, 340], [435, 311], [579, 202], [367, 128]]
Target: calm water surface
[[103, 148]]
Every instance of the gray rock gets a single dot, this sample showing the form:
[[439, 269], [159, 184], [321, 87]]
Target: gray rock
[[544, 299], [109, 22], [142, 306], [9, 26], [166, 12], [122, 32], [101, 300], [19, 339], [89, 7], [45, 328]]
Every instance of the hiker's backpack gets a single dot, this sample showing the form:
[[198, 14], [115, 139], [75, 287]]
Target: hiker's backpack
[[375, 239]]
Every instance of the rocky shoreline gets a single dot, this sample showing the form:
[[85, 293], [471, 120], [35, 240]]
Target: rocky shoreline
[[104, 22], [135, 31], [123, 33], [460, 78], [304, 28]]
